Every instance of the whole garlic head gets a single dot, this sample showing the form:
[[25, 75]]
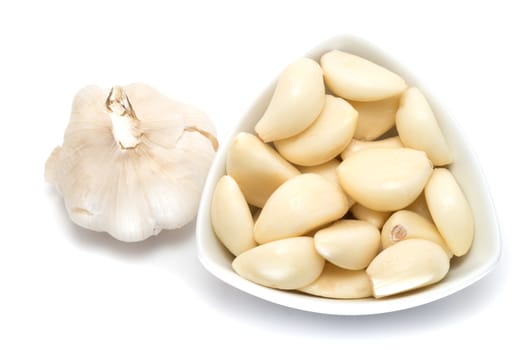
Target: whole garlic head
[[133, 162]]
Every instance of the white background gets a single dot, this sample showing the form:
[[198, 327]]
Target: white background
[[62, 287]]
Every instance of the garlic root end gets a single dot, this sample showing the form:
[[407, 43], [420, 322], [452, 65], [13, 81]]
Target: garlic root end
[[125, 123]]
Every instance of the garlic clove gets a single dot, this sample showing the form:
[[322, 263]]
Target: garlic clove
[[338, 283], [406, 224], [299, 205], [358, 145], [407, 265], [355, 78], [231, 218], [375, 118], [450, 211], [419, 206], [349, 244], [327, 170], [325, 138], [278, 264], [296, 102], [373, 217], [418, 128], [385, 179], [127, 165], [257, 168]]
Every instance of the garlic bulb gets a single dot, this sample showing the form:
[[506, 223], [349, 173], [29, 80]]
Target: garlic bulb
[[133, 162]]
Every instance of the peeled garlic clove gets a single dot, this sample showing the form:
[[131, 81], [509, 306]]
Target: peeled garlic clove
[[297, 101], [257, 168], [358, 145], [355, 78], [407, 265], [299, 205], [385, 179], [290, 263], [376, 218], [325, 138], [231, 218], [349, 244], [375, 118], [327, 170], [405, 224], [133, 161], [450, 211], [419, 206], [418, 128], [339, 283]]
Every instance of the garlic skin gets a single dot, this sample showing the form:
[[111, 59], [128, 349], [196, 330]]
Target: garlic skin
[[133, 162]]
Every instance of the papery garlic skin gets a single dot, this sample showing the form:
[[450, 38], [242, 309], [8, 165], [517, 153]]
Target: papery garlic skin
[[132, 192]]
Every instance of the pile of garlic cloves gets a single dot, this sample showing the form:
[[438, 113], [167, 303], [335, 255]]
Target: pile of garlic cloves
[[133, 161], [344, 189]]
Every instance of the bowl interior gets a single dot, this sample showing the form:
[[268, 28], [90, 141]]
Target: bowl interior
[[464, 271]]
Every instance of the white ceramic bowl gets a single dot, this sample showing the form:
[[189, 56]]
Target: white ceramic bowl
[[482, 257]]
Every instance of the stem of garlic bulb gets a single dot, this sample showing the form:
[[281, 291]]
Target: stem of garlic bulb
[[125, 124]]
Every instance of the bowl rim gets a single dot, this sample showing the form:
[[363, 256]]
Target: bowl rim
[[350, 307]]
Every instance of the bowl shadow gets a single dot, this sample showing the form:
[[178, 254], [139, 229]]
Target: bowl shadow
[[469, 301]]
